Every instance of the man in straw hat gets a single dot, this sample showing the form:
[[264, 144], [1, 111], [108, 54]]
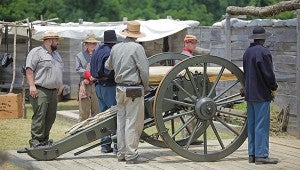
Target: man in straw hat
[[88, 102], [105, 84], [44, 68], [260, 85], [129, 61]]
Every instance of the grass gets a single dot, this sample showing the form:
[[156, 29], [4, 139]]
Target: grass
[[15, 133]]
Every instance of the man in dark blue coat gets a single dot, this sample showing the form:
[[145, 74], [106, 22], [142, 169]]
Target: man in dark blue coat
[[105, 85], [260, 86]]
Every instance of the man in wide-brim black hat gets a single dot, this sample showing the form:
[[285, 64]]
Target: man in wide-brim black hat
[[260, 85], [105, 84]]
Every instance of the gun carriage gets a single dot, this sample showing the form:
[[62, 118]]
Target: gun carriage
[[189, 97]]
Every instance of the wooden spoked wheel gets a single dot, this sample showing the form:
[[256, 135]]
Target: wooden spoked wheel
[[194, 96]]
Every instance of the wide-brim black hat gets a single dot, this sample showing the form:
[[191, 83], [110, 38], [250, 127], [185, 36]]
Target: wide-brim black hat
[[110, 36], [259, 33]]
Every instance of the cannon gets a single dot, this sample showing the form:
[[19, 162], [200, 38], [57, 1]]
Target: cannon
[[195, 97]]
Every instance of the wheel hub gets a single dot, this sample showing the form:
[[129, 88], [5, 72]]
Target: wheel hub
[[205, 108]]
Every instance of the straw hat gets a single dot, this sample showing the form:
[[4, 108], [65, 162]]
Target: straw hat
[[50, 35], [259, 33], [189, 38], [133, 30], [91, 38]]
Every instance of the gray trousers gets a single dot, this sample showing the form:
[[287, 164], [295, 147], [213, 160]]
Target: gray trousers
[[130, 124]]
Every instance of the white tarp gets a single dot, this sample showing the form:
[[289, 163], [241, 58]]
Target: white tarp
[[154, 29]]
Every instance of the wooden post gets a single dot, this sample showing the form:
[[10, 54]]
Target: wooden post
[[14, 60], [227, 37], [298, 75], [1, 26]]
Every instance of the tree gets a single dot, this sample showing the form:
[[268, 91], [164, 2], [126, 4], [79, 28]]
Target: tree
[[205, 11]]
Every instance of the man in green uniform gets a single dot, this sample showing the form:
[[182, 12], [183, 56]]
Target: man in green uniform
[[44, 69]]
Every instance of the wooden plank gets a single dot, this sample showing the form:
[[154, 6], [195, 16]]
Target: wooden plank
[[25, 161], [287, 150], [286, 87], [297, 131]]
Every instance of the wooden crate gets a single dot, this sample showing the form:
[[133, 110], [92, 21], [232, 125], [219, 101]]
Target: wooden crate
[[10, 106]]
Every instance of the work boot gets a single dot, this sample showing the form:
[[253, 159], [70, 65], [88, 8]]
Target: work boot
[[251, 159], [137, 160], [106, 149], [121, 157], [106, 142], [197, 142], [121, 160], [47, 142], [33, 143], [267, 160], [115, 150]]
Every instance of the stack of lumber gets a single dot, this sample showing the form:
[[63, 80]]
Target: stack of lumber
[[157, 73], [92, 120]]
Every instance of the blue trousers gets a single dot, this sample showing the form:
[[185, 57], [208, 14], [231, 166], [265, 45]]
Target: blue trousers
[[258, 128], [106, 96]]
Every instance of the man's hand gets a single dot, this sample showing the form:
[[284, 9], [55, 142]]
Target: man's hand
[[33, 92], [273, 92], [91, 78], [85, 81], [60, 89]]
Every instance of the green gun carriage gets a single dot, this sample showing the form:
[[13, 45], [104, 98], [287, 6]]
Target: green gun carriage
[[190, 101]]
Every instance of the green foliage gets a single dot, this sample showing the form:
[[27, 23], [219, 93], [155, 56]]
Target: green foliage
[[205, 11], [15, 133]]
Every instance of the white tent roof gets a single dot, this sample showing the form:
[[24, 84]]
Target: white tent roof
[[154, 29]]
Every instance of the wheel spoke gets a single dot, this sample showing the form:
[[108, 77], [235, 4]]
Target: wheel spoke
[[228, 97], [226, 125], [205, 141], [178, 102], [196, 90], [183, 126], [204, 80], [192, 135], [172, 127], [241, 114], [217, 134], [186, 92], [225, 90], [177, 115], [237, 100], [183, 122], [216, 82]]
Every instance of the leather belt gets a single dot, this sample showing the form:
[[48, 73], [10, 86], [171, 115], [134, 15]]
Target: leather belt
[[44, 87], [124, 84]]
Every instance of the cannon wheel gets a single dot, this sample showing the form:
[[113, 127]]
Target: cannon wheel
[[153, 137], [206, 108]]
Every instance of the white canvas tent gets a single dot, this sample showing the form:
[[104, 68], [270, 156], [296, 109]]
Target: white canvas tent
[[154, 29]]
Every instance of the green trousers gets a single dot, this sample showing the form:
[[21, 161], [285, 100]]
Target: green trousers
[[44, 113]]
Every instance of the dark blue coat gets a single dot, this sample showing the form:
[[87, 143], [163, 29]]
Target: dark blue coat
[[104, 77], [259, 75]]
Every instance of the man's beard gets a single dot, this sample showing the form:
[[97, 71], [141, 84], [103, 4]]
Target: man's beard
[[53, 46]]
